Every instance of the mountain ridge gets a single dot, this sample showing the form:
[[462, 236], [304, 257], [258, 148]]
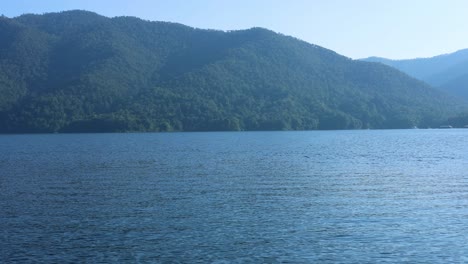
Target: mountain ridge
[[77, 71], [447, 72]]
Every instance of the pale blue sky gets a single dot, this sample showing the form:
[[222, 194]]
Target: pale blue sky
[[355, 28]]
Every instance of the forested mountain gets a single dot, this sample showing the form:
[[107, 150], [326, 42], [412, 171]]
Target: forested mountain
[[447, 72], [77, 71]]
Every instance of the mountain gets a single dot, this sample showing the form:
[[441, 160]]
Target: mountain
[[77, 71], [447, 72]]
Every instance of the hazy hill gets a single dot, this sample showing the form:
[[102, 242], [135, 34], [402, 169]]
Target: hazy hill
[[447, 72], [77, 71]]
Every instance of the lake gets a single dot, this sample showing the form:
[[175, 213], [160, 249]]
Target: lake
[[362, 196]]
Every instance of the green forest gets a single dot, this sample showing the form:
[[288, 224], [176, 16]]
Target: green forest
[[77, 71]]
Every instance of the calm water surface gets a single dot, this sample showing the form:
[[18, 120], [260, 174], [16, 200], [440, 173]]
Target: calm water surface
[[297, 197]]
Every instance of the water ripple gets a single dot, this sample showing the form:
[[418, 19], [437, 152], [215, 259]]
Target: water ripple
[[297, 197]]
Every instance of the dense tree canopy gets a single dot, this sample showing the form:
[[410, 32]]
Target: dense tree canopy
[[77, 71]]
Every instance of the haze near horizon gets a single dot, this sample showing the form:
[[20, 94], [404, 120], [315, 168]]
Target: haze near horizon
[[357, 29]]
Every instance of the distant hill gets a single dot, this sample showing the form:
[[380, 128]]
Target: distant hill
[[447, 72], [77, 71]]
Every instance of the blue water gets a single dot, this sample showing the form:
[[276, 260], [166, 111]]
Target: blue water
[[297, 197]]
